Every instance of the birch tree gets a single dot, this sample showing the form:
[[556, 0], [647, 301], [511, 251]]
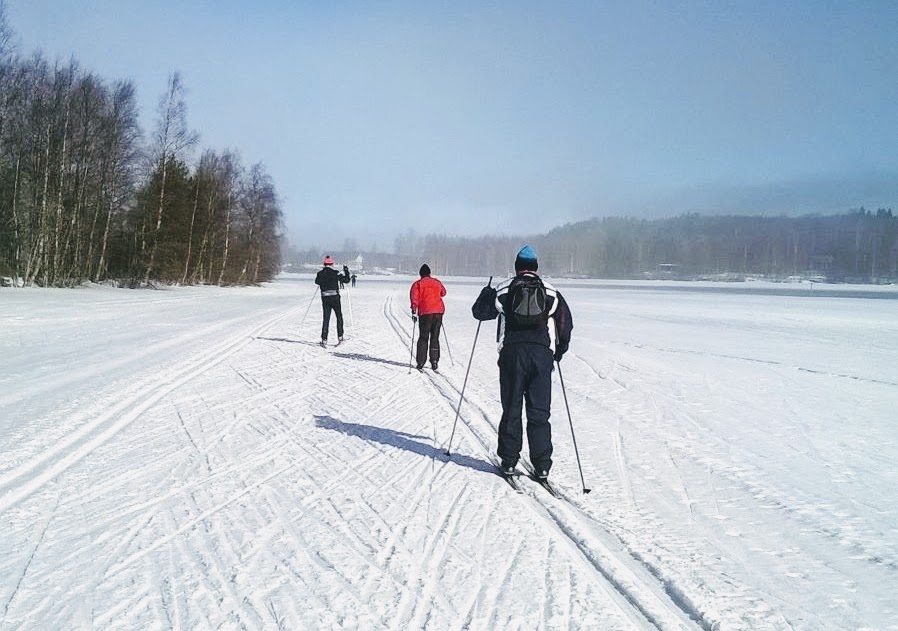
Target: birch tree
[[120, 152], [231, 172], [171, 140], [261, 218]]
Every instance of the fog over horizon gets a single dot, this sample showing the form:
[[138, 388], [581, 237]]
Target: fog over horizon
[[807, 197]]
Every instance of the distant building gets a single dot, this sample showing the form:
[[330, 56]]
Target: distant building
[[663, 271]]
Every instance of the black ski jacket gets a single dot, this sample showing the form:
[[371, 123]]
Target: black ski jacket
[[329, 279], [557, 335]]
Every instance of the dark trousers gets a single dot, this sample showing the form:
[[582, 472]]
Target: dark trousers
[[328, 304], [525, 377], [429, 338]]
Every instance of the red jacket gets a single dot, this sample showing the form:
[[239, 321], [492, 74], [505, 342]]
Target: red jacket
[[426, 296]]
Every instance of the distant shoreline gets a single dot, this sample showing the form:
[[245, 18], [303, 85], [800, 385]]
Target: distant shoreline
[[753, 288]]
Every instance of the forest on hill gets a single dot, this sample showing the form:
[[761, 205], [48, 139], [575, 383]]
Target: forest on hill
[[859, 246]]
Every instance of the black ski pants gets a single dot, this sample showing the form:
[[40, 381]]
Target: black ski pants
[[525, 377], [328, 304], [429, 325]]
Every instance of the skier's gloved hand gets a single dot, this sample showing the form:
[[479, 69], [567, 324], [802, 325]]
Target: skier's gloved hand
[[487, 293], [414, 316], [560, 350], [484, 308]]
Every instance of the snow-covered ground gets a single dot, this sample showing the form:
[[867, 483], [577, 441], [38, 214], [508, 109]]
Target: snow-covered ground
[[189, 458]]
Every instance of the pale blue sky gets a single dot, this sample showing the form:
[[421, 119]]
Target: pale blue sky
[[512, 117]]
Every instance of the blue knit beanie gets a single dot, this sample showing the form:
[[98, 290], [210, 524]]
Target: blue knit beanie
[[526, 260]]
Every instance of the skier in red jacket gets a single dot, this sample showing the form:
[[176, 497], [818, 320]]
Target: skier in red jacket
[[426, 296]]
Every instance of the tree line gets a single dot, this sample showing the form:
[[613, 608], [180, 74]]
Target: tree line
[[84, 196], [856, 246]]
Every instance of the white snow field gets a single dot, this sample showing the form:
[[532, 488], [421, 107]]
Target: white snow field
[[190, 458]]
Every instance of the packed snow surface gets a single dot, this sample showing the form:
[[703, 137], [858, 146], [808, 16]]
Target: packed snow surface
[[190, 458]]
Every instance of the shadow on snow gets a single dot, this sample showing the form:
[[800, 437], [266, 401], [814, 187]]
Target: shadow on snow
[[369, 358], [401, 440], [284, 339], [357, 356]]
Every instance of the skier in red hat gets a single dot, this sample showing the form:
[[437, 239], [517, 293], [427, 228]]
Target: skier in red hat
[[329, 279]]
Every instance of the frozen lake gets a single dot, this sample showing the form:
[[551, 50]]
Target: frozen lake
[[190, 458]]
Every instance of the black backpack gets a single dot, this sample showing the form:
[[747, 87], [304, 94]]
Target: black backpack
[[527, 305]]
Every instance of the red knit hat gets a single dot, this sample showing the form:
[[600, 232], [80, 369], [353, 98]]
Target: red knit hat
[[328, 260]]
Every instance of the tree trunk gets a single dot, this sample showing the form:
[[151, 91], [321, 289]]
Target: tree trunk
[[155, 236], [227, 239], [17, 252], [58, 227], [37, 258], [101, 263], [196, 201]]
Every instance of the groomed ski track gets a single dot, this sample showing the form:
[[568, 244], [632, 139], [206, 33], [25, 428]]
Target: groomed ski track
[[595, 550], [244, 477]]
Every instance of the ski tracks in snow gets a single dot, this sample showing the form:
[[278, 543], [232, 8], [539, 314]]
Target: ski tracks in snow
[[29, 476], [120, 529], [267, 482], [261, 482], [635, 592]]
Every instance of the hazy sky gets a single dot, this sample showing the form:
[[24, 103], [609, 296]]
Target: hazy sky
[[512, 117]]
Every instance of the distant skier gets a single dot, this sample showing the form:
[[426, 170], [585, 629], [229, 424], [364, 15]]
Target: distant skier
[[426, 296], [329, 280], [534, 329]]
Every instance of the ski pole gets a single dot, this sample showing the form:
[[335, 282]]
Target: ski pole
[[462, 397], [448, 350], [465, 383], [574, 438], [411, 348], [309, 307], [349, 300]]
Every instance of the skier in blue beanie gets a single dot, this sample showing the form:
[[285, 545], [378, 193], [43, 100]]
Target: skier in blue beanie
[[535, 326]]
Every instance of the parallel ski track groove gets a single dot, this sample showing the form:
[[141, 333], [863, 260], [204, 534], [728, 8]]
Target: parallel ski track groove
[[25, 479], [37, 545]]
